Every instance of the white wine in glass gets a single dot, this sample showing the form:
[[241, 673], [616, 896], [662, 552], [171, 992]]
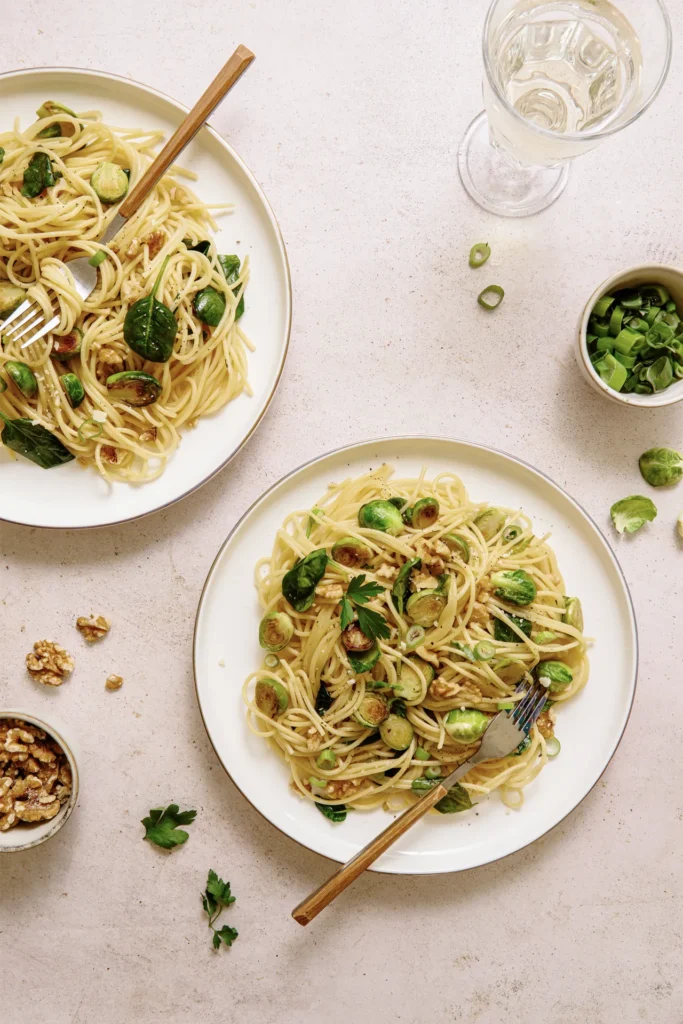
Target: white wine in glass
[[560, 76]]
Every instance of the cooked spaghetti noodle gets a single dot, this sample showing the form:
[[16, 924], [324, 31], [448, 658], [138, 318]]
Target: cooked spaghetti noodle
[[208, 366], [445, 672]]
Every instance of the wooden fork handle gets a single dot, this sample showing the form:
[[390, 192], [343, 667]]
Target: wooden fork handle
[[205, 105], [329, 890]]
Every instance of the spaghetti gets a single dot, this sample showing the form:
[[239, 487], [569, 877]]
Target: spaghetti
[[478, 655], [208, 365]]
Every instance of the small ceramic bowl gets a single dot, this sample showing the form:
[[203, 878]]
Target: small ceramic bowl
[[25, 836], [649, 273]]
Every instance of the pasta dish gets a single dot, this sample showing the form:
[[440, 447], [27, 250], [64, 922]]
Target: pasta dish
[[156, 345], [399, 617]]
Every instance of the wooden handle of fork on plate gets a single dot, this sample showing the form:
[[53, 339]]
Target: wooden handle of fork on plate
[[186, 131]]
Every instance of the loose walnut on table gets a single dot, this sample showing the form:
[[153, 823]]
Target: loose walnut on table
[[49, 663], [93, 628]]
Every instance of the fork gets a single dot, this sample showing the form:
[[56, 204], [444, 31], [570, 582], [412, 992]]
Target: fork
[[29, 318], [504, 734]]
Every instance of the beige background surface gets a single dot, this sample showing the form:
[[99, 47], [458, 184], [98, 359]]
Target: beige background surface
[[350, 119]]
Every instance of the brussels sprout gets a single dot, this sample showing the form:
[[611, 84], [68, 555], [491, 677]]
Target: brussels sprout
[[67, 345], [456, 799], [629, 514], [10, 297], [134, 387], [514, 586], [505, 635], [381, 515], [424, 513], [466, 726], [490, 522], [50, 107], [573, 614], [661, 466], [271, 697], [73, 388], [399, 503], [409, 685], [355, 640], [275, 631], [397, 732], [371, 711], [209, 306], [425, 606], [363, 661], [351, 552], [458, 545], [110, 182], [22, 376], [326, 759], [555, 675]]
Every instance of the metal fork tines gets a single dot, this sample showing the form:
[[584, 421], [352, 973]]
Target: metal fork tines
[[28, 318], [527, 710]]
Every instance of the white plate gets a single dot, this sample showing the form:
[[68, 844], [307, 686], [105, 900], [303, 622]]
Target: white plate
[[589, 727], [70, 496]]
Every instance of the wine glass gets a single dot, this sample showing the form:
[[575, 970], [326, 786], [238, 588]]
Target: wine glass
[[559, 77]]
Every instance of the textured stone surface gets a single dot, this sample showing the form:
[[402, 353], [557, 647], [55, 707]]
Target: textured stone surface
[[350, 118]]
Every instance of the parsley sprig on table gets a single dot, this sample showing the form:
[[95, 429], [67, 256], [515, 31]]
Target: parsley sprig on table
[[161, 827], [357, 596], [215, 898]]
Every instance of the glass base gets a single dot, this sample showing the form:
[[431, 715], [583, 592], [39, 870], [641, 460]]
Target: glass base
[[499, 184]]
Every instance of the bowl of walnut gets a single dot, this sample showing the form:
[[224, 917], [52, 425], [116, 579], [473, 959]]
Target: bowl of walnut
[[38, 781]]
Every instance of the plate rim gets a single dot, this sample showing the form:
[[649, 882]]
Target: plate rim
[[111, 76], [425, 438]]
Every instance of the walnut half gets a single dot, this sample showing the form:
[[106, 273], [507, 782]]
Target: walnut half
[[49, 663], [93, 628]]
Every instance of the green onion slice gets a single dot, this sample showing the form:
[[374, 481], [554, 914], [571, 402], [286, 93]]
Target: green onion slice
[[421, 754], [491, 291], [414, 637], [98, 258], [479, 254], [603, 305], [271, 661], [552, 746], [97, 427], [484, 651], [511, 532]]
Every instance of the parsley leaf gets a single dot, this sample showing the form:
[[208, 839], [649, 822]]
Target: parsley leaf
[[335, 812], [215, 898], [360, 592], [373, 624], [161, 827], [346, 613]]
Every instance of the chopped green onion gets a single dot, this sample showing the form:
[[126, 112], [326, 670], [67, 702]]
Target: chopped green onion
[[670, 306], [506, 705], [656, 293], [271, 661], [603, 306], [421, 754], [511, 533], [600, 329], [98, 258], [631, 301], [625, 340], [326, 759], [414, 637], [320, 783], [432, 773], [484, 651], [492, 290], [97, 427], [552, 746], [479, 254], [616, 319]]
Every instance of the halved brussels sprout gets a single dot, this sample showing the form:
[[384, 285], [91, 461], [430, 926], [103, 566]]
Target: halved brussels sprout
[[555, 675], [425, 512], [399, 503], [490, 522], [134, 387], [573, 613], [425, 606], [110, 182], [275, 631], [409, 686], [363, 661], [11, 296], [50, 107], [466, 726], [355, 640], [381, 515], [73, 389], [271, 697], [514, 586], [22, 376], [326, 759], [397, 732], [351, 552], [371, 711], [67, 345], [458, 545]]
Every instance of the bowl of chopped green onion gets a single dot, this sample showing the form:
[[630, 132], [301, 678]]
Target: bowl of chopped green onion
[[631, 337]]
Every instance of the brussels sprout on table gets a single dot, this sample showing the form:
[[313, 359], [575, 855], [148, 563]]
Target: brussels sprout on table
[[67, 345], [397, 732], [381, 515], [514, 586], [73, 388], [11, 297], [351, 552], [271, 697], [23, 377], [661, 466], [134, 387], [275, 631], [109, 182], [466, 726], [629, 514]]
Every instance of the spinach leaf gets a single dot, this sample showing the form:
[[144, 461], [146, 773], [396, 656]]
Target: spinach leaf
[[323, 701], [505, 635], [398, 707], [457, 799], [335, 812], [524, 745], [298, 585], [38, 175], [34, 442], [202, 247], [231, 271], [399, 591], [150, 326], [209, 306]]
